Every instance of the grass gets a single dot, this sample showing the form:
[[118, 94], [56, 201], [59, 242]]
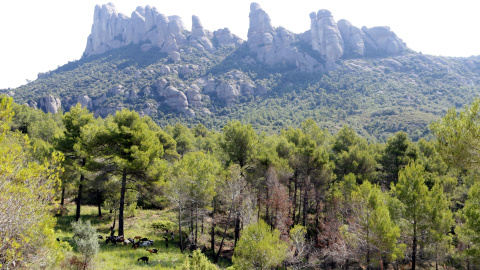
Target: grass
[[120, 256]]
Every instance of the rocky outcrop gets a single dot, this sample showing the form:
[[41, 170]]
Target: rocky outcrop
[[175, 99], [111, 29], [149, 109], [326, 38], [228, 92], [275, 46], [224, 38], [352, 38], [260, 32], [194, 96], [200, 38], [49, 104], [381, 40], [117, 90], [86, 102], [272, 46]]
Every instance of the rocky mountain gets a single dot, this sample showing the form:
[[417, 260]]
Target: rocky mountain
[[334, 72]]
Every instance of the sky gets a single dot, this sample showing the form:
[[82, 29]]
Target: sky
[[38, 36]]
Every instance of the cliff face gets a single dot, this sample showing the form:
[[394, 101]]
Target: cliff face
[[180, 83], [272, 46], [112, 30]]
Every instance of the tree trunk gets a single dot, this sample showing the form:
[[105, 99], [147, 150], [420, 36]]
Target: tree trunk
[[368, 250], [267, 206], [305, 201], [196, 224], [114, 218], [294, 198], [79, 196], [99, 202], [180, 226], [63, 196], [122, 202], [212, 240], [191, 219], [297, 219], [414, 247], [259, 205], [79, 199], [224, 234], [237, 229]]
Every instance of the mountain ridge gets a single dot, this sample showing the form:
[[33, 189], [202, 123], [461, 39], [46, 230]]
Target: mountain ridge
[[210, 77]]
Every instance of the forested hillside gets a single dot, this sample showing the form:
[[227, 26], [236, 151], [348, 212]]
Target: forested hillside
[[167, 148], [302, 198], [376, 97], [376, 84]]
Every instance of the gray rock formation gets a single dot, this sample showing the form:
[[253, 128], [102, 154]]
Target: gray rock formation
[[49, 104], [224, 38], [174, 56], [326, 38], [248, 89], [175, 99], [149, 109], [86, 102], [352, 38], [165, 70], [117, 90], [382, 40], [132, 95], [32, 104], [200, 38], [97, 101], [111, 29], [228, 92], [109, 109], [260, 32], [275, 46], [194, 96]]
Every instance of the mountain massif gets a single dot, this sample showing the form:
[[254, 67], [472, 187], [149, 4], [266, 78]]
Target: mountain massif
[[335, 73]]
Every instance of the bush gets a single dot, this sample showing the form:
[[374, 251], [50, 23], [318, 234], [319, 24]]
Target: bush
[[198, 262], [86, 240], [259, 248], [163, 225]]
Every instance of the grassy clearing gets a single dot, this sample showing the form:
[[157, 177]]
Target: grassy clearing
[[125, 257]]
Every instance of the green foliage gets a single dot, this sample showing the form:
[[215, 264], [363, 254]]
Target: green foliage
[[198, 261], [238, 142], [458, 136], [470, 231], [85, 240], [163, 225], [259, 248], [399, 151], [27, 188], [372, 232]]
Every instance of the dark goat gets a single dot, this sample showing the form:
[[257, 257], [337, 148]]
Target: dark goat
[[143, 259], [114, 239]]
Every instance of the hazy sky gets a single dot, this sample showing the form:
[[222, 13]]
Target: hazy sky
[[37, 36]]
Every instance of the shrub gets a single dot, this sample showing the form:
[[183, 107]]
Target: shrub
[[163, 225], [198, 261], [86, 240]]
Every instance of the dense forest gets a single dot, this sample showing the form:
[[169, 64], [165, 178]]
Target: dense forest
[[377, 97], [302, 198]]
